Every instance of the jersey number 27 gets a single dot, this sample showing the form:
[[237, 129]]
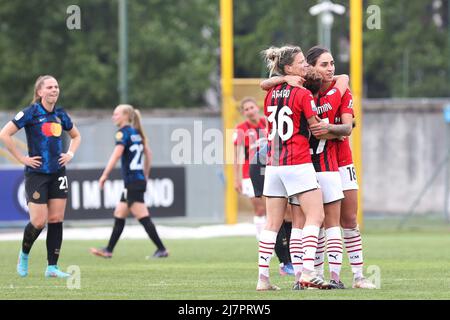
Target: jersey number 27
[[136, 162]]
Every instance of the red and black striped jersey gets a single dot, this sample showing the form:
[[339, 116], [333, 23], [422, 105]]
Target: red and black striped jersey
[[287, 109], [248, 136], [343, 151], [323, 151]]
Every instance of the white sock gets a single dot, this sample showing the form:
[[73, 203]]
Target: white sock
[[334, 251], [260, 223], [320, 253], [309, 245], [265, 250], [353, 245], [296, 252]]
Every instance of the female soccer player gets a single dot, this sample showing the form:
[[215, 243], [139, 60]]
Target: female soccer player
[[134, 152], [46, 183], [247, 136], [289, 170], [325, 163]]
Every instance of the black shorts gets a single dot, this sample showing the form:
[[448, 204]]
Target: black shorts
[[134, 192], [40, 187], [257, 176]]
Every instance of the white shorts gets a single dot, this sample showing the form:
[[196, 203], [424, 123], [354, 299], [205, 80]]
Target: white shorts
[[285, 181], [247, 188], [348, 177], [330, 183]]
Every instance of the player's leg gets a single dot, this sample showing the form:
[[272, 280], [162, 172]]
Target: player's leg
[[139, 210], [295, 243], [352, 239], [275, 213], [349, 224], [276, 205], [36, 194], [56, 209], [282, 244], [301, 181], [38, 219], [121, 213], [311, 204], [334, 242], [258, 205]]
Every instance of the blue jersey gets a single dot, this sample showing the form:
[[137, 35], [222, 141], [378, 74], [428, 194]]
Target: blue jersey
[[132, 157], [43, 130]]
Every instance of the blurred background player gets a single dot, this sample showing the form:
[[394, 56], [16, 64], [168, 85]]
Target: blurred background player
[[46, 183], [249, 135], [289, 171], [134, 152]]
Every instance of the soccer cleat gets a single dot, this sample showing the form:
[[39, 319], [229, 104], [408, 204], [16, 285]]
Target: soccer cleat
[[297, 286], [161, 254], [286, 269], [336, 285], [22, 264], [311, 280], [102, 252], [54, 272], [265, 285], [363, 283]]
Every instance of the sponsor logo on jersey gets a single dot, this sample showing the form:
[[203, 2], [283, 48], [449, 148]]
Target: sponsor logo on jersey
[[350, 104], [324, 108], [51, 129], [19, 116], [332, 91], [136, 138], [41, 119], [119, 135]]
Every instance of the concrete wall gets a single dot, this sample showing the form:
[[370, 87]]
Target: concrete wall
[[403, 143]]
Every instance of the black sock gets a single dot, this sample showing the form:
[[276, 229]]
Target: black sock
[[30, 235], [288, 230], [54, 241], [119, 224], [281, 246], [151, 231]]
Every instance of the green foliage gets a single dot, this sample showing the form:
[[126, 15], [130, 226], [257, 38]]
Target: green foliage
[[171, 51], [174, 48]]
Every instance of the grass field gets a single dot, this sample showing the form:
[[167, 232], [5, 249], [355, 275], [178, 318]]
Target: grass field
[[413, 265]]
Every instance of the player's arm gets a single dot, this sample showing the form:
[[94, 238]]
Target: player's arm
[[325, 130], [6, 134], [342, 82], [237, 169], [147, 161], [294, 81], [75, 140], [115, 156]]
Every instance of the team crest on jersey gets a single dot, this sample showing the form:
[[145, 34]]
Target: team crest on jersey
[[119, 135], [19, 116], [332, 91]]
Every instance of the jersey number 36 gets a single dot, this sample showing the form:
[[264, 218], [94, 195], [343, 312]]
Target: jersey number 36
[[280, 122]]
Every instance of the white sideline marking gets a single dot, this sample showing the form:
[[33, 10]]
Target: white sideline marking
[[138, 232]]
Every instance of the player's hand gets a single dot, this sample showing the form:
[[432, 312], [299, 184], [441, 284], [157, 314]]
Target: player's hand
[[320, 128], [295, 81], [64, 159], [33, 162], [101, 181], [238, 185]]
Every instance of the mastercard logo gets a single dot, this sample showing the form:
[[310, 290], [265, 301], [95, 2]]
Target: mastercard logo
[[51, 129]]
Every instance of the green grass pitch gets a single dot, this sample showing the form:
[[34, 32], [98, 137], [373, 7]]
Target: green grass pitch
[[413, 265]]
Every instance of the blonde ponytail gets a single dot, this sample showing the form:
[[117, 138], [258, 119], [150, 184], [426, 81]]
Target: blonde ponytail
[[137, 124], [277, 58]]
